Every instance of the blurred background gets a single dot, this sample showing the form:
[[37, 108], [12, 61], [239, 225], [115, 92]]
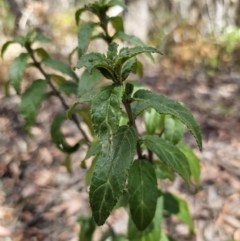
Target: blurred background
[[41, 200]]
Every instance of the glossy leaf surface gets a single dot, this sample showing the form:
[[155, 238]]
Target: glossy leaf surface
[[169, 154], [164, 105], [110, 173], [143, 193], [31, 101]]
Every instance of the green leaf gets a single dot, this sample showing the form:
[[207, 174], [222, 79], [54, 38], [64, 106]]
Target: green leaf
[[138, 107], [138, 69], [127, 53], [93, 60], [58, 137], [113, 3], [178, 206], [41, 38], [42, 53], [68, 87], [193, 161], [90, 171], [5, 46], [86, 117], [94, 149], [78, 14], [31, 101], [110, 173], [163, 171], [173, 129], [88, 81], [143, 193], [152, 121], [61, 67], [17, 69], [20, 40], [169, 154], [84, 37], [128, 67], [112, 52], [88, 227], [67, 163], [117, 23], [153, 231], [106, 111], [164, 105]]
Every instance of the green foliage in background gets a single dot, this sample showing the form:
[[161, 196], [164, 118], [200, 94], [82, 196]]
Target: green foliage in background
[[120, 168]]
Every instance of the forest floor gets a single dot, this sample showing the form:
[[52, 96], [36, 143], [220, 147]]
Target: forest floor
[[41, 201]]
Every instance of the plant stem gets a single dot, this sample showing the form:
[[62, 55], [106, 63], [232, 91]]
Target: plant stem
[[56, 92], [131, 119]]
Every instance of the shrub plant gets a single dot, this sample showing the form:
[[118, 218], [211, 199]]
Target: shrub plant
[[127, 167]]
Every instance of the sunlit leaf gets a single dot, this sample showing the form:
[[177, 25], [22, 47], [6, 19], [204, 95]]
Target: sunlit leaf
[[193, 161], [110, 173], [31, 101], [143, 193], [173, 129], [152, 121]]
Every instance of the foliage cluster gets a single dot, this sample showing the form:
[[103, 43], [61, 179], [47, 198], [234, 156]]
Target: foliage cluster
[[127, 167]]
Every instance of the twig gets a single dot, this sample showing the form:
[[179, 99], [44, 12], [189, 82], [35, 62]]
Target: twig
[[56, 92]]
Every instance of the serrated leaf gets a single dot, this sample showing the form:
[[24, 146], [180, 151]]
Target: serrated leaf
[[152, 121], [112, 52], [106, 111], [110, 173], [153, 231], [68, 87], [61, 67], [173, 129], [93, 60], [31, 101], [178, 206], [193, 161], [169, 154], [127, 53], [58, 137], [117, 23], [128, 67], [84, 37], [88, 81], [5, 46], [143, 193], [163, 171], [17, 69], [42, 53], [164, 105]]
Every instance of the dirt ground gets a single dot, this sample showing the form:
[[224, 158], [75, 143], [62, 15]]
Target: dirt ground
[[41, 201]]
